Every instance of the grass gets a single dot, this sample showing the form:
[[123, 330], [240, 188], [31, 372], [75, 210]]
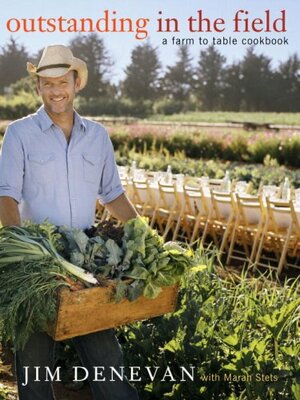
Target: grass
[[217, 117]]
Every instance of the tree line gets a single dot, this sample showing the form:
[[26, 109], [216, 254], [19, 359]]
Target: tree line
[[250, 84]]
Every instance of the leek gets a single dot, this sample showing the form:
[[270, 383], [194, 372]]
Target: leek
[[16, 244]]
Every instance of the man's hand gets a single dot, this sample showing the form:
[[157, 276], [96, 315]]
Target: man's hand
[[9, 211], [121, 208]]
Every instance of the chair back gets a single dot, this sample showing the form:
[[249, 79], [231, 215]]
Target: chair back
[[142, 196], [215, 184], [195, 202], [282, 216], [223, 205], [250, 209], [168, 196]]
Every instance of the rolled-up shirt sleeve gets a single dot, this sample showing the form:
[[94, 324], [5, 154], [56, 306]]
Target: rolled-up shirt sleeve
[[11, 165], [110, 185]]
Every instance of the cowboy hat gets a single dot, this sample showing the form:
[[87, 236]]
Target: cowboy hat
[[58, 60]]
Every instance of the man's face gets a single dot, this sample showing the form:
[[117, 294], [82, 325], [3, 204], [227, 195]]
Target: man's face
[[58, 93]]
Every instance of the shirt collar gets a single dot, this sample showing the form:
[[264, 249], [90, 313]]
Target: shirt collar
[[46, 122], [78, 121]]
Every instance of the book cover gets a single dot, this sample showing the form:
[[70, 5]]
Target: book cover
[[203, 88]]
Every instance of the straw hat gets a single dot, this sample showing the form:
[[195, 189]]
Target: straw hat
[[58, 60]]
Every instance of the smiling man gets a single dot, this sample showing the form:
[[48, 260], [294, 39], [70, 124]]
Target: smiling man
[[54, 165], [58, 94]]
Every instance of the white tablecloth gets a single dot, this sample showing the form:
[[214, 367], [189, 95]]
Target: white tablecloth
[[253, 215]]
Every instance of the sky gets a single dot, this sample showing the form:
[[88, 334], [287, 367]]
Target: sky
[[120, 44]]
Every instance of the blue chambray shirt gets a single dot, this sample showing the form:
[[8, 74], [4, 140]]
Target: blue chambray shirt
[[54, 180]]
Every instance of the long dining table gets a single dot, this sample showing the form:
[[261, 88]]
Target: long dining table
[[228, 214], [252, 214]]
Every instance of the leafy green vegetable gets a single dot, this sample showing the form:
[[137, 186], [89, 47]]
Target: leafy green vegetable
[[151, 290], [31, 272], [114, 253], [140, 254], [121, 290], [36, 260], [18, 244], [151, 261], [28, 299], [138, 273]]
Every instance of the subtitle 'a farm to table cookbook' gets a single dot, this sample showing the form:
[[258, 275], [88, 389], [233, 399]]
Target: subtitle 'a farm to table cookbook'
[[201, 101]]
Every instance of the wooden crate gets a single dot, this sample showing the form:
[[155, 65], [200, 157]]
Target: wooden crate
[[91, 310]]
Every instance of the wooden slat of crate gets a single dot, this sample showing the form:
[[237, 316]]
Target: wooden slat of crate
[[91, 310]]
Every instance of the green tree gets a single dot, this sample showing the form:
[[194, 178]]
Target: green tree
[[13, 58], [178, 80], [232, 88], [287, 85], [257, 81], [92, 50], [209, 83], [142, 74]]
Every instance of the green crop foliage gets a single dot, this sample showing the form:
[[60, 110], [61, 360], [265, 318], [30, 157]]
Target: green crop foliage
[[242, 338], [269, 173], [214, 117]]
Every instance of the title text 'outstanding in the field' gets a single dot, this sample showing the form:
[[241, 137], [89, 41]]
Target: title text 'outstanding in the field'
[[242, 22]]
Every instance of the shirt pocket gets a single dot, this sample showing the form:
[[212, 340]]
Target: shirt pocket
[[91, 167], [42, 167]]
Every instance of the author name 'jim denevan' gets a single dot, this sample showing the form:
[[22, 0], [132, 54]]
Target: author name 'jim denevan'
[[111, 374]]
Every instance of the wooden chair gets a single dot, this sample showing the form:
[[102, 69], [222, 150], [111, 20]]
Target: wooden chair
[[142, 198], [215, 184], [281, 235], [221, 218], [247, 230], [194, 214], [102, 214], [168, 210]]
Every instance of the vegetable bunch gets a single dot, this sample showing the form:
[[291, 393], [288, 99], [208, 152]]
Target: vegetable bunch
[[140, 256], [31, 272], [149, 262], [37, 260]]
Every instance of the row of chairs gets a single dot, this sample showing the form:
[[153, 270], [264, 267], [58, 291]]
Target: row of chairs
[[253, 230], [247, 228]]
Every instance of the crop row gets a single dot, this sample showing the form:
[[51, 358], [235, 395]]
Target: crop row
[[268, 173], [221, 116], [229, 146], [236, 340], [226, 145]]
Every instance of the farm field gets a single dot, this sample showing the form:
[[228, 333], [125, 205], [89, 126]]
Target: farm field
[[215, 117], [289, 119], [240, 333], [227, 326], [209, 117], [210, 143]]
